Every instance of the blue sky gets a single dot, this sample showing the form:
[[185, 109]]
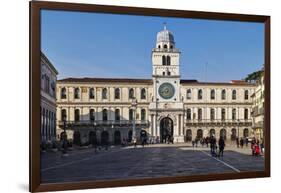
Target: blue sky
[[119, 46]]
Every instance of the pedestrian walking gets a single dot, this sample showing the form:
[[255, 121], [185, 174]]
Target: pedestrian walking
[[193, 143], [221, 146], [241, 142], [135, 142], [213, 145]]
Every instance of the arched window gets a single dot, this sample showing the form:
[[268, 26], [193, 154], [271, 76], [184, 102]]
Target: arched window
[[188, 94], [117, 93], [92, 93], [117, 114], [164, 60], [104, 114], [199, 114], [188, 114], [200, 94], [222, 114], [171, 46], [131, 114], [77, 115], [223, 94], [233, 134], [246, 95], [104, 93], [212, 132], [143, 93], [246, 114], [143, 114], [92, 114], [131, 93], [63, 115], [234, 95], [212, 114], [168, 60], [213, 94], [63, 93], [233, 114], [76, 93], [165, 46], [159, 46]]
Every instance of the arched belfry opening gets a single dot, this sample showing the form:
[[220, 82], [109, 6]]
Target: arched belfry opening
[[166, 130]]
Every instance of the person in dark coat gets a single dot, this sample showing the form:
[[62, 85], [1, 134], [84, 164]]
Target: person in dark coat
[[241, 142], [221, 146], [213, 144]]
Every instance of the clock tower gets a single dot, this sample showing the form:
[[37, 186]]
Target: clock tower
[[167, 104]]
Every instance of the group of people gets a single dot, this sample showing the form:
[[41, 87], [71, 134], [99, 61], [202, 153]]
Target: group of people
[[203, 141]]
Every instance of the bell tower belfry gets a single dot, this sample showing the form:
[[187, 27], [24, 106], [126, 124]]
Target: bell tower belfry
[[165, 57]]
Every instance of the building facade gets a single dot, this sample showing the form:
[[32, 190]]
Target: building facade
[[258, 109], [48, 100], [101, 110]]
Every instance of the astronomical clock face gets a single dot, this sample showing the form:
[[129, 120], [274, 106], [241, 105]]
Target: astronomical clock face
[[166, 90]]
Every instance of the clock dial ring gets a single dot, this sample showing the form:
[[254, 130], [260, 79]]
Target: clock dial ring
[[166, 90]]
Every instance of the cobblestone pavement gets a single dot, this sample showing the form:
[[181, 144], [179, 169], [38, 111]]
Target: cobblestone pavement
[[159, 160]]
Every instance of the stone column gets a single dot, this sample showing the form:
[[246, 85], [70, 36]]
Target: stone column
[[151, 131]]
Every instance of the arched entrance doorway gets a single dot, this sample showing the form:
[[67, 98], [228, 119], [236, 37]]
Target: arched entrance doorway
[[130, 136], [76, 138], [166, 130], [104, 138], [199, 134], [213, 133], [188, 135], [233, 134], [92, 138], [117, 137]]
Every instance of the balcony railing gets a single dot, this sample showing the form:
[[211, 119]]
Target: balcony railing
[[166, 50], [219, 122], [108, 123]]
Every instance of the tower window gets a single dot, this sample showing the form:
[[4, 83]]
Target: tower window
[[163, 73], [159, 46], [168, 60], [171, 46], [164, 60], [165, 46], [169, 73]]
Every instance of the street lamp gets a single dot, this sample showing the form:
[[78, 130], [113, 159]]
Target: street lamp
[[134, 107]]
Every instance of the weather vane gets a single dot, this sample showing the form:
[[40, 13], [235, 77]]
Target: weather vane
[[165, 25]]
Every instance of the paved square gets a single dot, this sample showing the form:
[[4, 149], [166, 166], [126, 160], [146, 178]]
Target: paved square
[[148, 162]]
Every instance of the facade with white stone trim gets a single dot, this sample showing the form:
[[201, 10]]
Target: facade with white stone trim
[[100, 109]]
